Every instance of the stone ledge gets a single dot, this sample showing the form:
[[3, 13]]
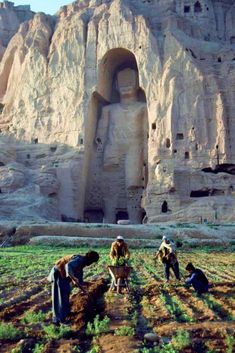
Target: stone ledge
[[92, 242]]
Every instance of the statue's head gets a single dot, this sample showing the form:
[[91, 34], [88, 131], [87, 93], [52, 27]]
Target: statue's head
[[127, 82]]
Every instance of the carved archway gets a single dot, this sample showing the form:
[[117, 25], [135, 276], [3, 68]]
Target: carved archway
[[197, 7], [112, 61]]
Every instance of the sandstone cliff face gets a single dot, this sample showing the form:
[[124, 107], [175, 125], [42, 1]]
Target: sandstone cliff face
[[58, 74], [10, 19]]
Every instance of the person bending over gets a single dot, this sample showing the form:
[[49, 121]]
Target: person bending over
[[119, 253], [67, 270]]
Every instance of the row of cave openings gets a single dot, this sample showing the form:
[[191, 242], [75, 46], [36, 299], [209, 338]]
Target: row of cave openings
[[97, 216], [197, 194], [179, 136], [196, 8], [219, 58]]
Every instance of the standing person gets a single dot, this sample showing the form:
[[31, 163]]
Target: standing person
[[197, 279], [119, 255], [168, 257], [66, 270]]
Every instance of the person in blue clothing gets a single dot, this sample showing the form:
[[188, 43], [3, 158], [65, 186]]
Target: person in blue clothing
[[197, 279], [67, 270]]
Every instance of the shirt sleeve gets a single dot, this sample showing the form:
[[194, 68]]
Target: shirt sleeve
[[74, 269], [112, 252], [190, 279], [167, 246], [127, 254]]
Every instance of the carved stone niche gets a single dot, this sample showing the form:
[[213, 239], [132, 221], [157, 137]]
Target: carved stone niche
[[118, 127], [1, 108]]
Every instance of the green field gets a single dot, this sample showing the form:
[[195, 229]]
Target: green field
[[183, 322]]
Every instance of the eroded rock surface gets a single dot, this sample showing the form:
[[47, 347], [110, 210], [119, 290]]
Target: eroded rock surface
[[58, 74], [10, 19]]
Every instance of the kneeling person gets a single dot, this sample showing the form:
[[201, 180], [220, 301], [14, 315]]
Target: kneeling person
[[66, 270], [197, 279]]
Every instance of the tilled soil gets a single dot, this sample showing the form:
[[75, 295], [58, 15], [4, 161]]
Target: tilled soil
[[152, 306], [83, 308], [119, 308], [208, 324]]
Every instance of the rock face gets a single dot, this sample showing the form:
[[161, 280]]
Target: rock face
[[10, 19], [90, 146]]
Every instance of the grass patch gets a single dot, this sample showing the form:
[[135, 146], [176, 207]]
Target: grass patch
[[181, 340], [174, 307], [18, 349], [9, 332], [33, 318], [125, 331], [98, 326], [217, 308], [54, 332], [39, 348], [230, 343]]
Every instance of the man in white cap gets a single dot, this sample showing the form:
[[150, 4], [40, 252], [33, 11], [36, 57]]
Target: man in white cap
[[167, 255], [167, 243], [119, 254], [119, 251]]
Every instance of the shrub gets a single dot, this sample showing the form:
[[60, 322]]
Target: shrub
[[9, 332], [98, 327], [39, 348], [53, 332], [125, 331], [230, 342], [134, 318], [18, 349], [181, 340], [166, 348], [33, 318], [94, 349]]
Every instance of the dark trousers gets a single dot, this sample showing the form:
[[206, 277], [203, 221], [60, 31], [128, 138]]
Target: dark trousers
[[60, 297], [174, 267], [199, 287]]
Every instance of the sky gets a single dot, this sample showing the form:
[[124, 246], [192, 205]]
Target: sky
[[47, 6]]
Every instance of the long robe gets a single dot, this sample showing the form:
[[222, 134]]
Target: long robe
[[61, 286]]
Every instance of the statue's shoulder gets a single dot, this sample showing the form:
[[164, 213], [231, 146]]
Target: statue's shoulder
[[142, 104], [143, 107], [109, 107], [105, 108]]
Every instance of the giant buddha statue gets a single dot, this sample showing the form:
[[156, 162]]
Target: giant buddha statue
[[121, 135]]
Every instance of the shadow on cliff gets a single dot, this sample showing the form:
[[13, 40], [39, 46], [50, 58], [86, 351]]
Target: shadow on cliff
[[34, 180]]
